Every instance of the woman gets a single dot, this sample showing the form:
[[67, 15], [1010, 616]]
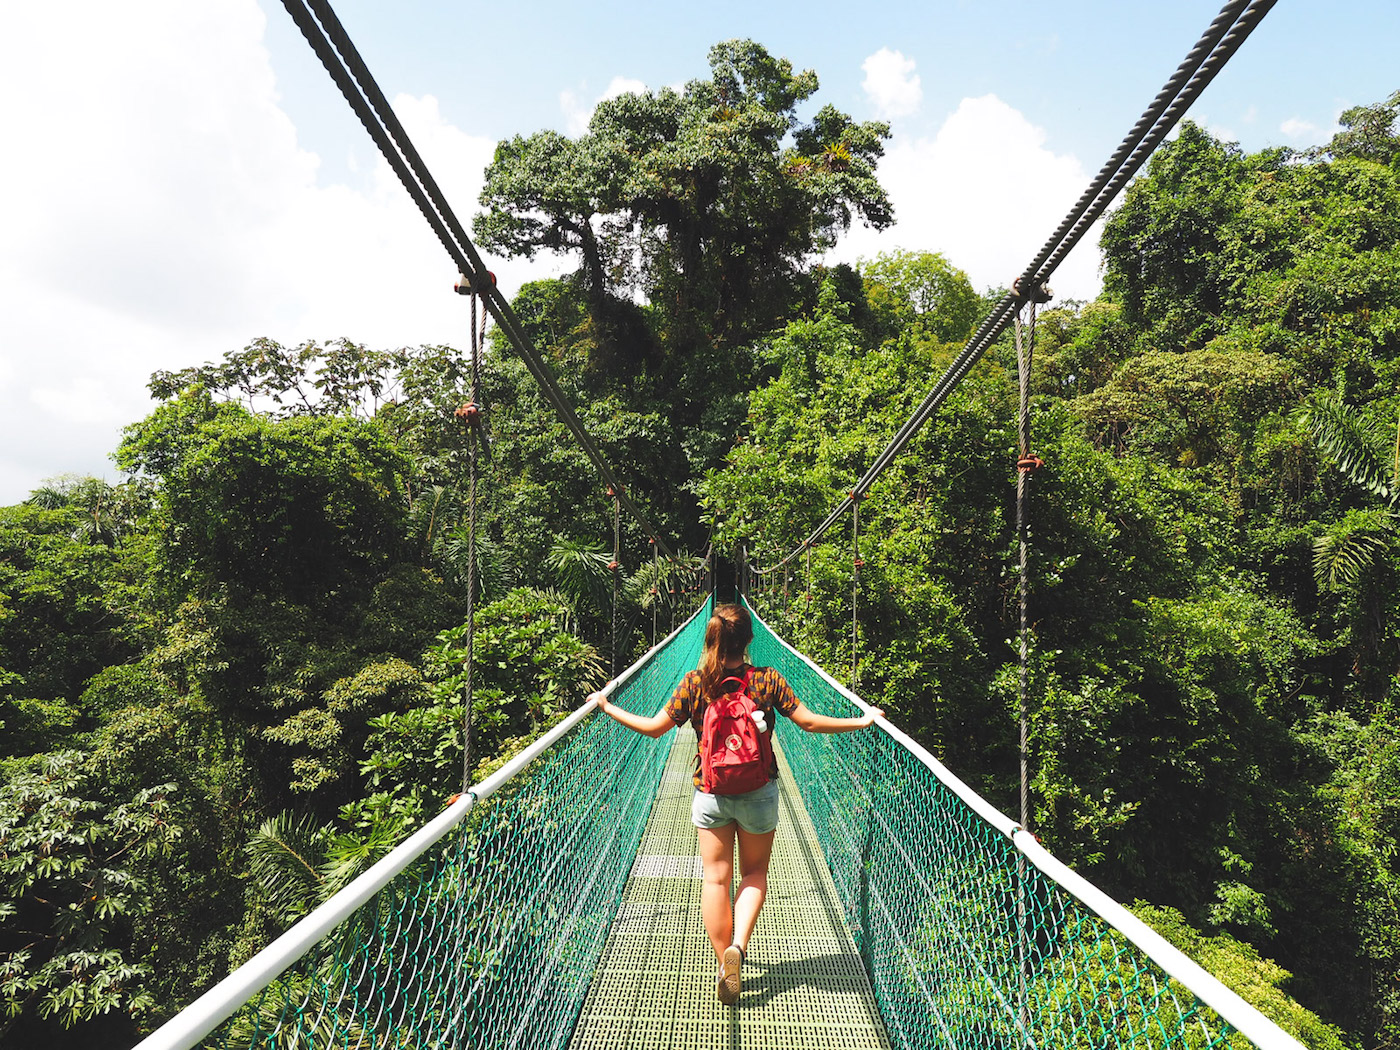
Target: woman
[[720, 820]]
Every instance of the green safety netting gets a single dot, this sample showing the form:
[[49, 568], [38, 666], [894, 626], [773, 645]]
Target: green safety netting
[[965, 942], [490, 938]]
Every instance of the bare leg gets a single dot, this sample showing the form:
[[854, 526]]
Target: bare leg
[[717, 856], [754, 851]]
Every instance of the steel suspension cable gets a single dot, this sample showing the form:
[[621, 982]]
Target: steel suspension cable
[[1229, 30], [1212, 38], [323, 31]]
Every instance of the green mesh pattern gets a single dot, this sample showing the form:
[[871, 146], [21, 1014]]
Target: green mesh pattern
[[966, 943], [490, 938]]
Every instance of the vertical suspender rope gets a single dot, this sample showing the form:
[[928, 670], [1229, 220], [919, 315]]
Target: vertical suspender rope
[[615, 566], [856, 563], [808, 609], [1026, 463], [1022, 483], [655, 587], [470, 414]]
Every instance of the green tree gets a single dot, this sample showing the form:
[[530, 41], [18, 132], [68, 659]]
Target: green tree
[[76, 873], [1365, 456], [68, 607], [296, 602], [924, 289], [708, 200], [1368, 133]]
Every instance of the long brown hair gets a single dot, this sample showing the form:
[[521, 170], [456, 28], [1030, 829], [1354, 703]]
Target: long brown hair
[[727, 635]]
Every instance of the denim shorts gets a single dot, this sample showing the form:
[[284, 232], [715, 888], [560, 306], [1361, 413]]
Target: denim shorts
[[755, 811]]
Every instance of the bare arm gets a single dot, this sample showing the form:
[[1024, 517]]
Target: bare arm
[[657, 725], [805, 718]]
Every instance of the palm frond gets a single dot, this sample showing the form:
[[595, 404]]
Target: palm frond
[[568, 618], [1358, 450], [48, 497], [494, 573], [1341, 560], [581, 569], [426, 515], [661, 581], [284, 862], [648, 586]]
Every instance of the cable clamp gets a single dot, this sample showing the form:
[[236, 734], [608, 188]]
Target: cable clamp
[[1038, 293], [474, 284], [1029, 464]]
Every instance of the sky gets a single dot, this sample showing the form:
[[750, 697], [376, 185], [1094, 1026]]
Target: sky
[[180, 178]]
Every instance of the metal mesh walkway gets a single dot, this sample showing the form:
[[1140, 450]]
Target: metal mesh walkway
[[804, 985]]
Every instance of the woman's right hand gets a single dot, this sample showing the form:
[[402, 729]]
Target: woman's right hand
[[601, 700]]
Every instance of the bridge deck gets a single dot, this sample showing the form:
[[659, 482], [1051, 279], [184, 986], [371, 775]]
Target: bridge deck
[[655, 985]]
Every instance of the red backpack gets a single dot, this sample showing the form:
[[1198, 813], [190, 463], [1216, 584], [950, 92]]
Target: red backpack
[[735, 755]]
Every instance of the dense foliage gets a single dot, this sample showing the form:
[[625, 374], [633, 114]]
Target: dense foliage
[[230, 683], [1214, 595]]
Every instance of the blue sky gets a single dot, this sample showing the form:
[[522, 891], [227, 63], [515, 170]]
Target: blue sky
[[183, 177]]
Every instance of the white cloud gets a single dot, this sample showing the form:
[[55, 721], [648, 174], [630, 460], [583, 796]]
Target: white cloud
[[163, 214], [891, 84], [986, 193], [1296, 128], [578, 113], [1222, 132]]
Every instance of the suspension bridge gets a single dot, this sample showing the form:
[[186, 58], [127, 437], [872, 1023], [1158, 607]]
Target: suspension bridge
[[556, 903]]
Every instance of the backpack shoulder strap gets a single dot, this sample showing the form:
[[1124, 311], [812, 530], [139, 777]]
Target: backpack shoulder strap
[[742, 679]]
